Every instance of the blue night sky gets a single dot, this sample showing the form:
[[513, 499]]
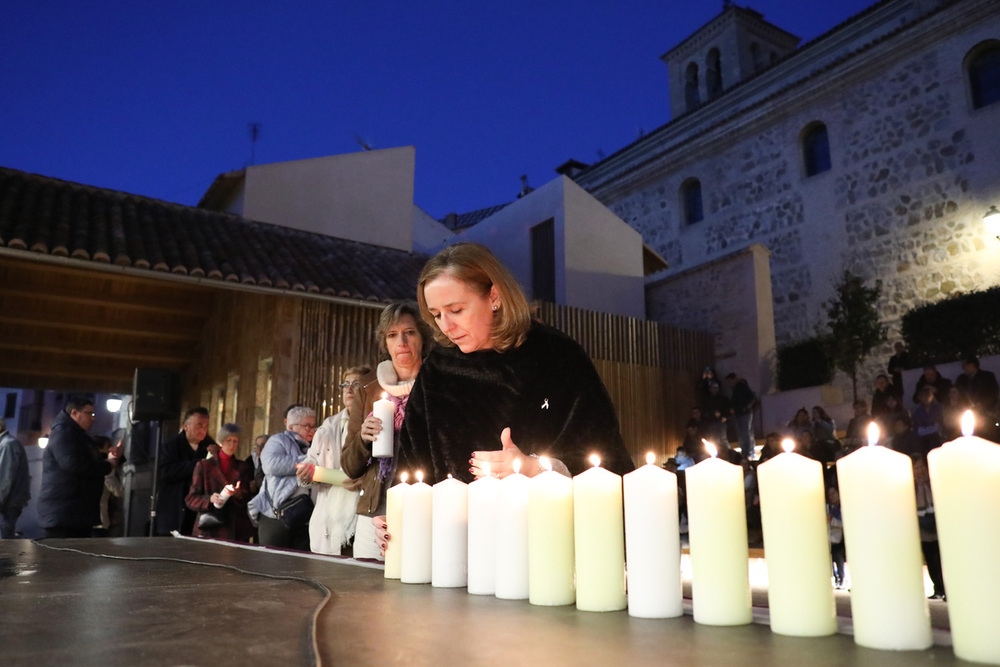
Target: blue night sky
[[155, 98]]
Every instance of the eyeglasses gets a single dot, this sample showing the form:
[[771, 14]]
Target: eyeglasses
[[308, 427], [89, 413], [353, 386]]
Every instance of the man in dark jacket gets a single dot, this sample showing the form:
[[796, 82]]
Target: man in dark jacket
[[72, 474], [15, 482], [742, 401], [178, 457]]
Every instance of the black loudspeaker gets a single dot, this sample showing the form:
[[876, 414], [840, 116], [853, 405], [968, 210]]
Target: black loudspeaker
[[156, 394]]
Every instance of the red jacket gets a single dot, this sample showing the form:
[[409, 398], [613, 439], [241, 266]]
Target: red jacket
[[208, 478]]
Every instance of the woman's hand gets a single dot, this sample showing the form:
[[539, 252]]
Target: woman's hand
[[381, 534], [370, 428], [305, 472], [215, 499], [500, 463]]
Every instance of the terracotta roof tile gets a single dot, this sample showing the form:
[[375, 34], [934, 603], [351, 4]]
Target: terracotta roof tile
[[43, 215]]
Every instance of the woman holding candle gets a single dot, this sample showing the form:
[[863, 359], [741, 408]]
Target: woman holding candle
[[221, 484], [405, 339], [332, 524]]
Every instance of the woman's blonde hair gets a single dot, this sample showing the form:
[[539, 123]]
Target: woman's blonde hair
[[479, 269], [392, 314]]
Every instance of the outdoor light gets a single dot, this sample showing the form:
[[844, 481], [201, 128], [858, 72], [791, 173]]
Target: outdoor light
[[992, 221], [43, 442], [114, 404]]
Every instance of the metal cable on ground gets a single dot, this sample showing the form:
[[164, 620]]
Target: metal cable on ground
[[319, 586]]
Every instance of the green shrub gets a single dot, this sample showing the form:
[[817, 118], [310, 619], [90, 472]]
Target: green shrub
[[953, 328], [804, 364]]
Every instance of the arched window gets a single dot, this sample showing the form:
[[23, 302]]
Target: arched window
[[983, 65], [691, 199], [691, 97], [756, 57], [815, 149], [713, 74]]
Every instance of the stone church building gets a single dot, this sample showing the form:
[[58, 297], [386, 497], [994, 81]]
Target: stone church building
[[874, 148]]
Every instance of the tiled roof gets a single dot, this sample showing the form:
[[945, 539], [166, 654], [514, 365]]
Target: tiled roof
[[461, 221], [44, 215]]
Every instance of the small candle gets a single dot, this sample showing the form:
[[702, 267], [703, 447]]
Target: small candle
[[512, 537], [483, 534], [333, 476], [550, 538], [227, 491], [385, 411], [450, 534], [600, 539], [796, 545], [882, 539], [964, 474], [418, 499], [394, 526], [652, 542], [717, 532]]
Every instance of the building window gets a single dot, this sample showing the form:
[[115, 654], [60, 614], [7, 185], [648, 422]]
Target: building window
[[692, 99], [713, 74], [691, 198], [984, 74], [543, 262], [262, 399], [815, 149]]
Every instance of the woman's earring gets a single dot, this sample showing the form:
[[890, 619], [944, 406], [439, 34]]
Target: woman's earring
[[495, 307]]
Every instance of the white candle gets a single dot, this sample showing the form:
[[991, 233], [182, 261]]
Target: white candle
[[483, 534], [796, 545], [600, 539], [652, 542], [450, 534], [717, 532], [394, 526], [385, 411], [415, 566], [512, 537], [882, 538], [550, 538], [964, 475]]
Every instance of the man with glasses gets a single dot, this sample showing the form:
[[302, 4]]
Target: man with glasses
[[72, 474], [278, 459], [178, 457]]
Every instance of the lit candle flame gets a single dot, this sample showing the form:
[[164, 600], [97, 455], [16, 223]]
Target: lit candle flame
[[516, 465], [385, 396], [873, 434], [403, 477], [788, 445], [420, 476], [544, 463], [650, 458], [968, 423], [595, 460], [710, 448], [449, 475]]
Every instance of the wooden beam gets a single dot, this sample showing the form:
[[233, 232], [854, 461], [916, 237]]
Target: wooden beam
[[58, 300], [149, 359], [186, 333]]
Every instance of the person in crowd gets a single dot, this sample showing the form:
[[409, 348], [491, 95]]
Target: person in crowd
[[113, 489], [799, 424], [693, 446], [178, 457], [258, 473], [979, 386], [954, 407], [892, 412], [928, 420], [332, 525], [742, 401], [932, 377], [497, 377], [772, 446], [708, 377], [282, 452], [928, 526], [681, 460], [902, 437], [898, 363], [824, 429], [856, 434], [72, 474], [406, 340], [15, 481], [835, 532], [222, 479], [880, 396], [715, 418]]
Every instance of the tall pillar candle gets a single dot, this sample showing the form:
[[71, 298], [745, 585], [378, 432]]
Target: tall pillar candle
[[964, 475], [450, 534], [550, 539], [483, 535], [600, 539], [512, 537], [717, 532], [385, 411], [796, 545], [879, 509], [418, 499], [394, 526], [652, 543]]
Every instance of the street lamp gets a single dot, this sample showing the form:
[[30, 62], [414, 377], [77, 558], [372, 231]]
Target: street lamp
[[992, 221]]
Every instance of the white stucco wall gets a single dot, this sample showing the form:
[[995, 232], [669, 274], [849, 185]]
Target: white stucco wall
[[429, 235], [366, 196]]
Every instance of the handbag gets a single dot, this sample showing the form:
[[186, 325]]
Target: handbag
[[212, 518], [295, 511]]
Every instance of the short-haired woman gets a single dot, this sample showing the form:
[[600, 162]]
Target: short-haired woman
[[211, 476]]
